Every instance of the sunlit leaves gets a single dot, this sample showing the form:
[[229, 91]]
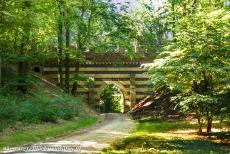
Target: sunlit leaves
[[202, 45], [198, 60]]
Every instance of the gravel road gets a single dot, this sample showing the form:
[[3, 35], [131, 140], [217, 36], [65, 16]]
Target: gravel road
[[91, 140]]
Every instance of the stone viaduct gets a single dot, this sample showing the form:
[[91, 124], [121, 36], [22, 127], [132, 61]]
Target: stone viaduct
[[98, 71]]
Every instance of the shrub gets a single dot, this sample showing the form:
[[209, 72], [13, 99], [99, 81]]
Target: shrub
[[68, 107], [8, 107], [29, 112], [38, 108]]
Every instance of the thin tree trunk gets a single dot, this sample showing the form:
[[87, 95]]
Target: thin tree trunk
[[3, 6], [75, 84], [79, 49], [60, 45], [67, 60], [22, 72], [67, 26], [199, 123], [209, 125], [89, 21], [22, 64]]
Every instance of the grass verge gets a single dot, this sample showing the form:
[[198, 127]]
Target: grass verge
[[154, 136], [36, 133]]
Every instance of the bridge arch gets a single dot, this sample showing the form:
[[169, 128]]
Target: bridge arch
[[113, 68], [122, 88]]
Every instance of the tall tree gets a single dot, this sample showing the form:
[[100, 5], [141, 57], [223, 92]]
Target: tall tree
[[198, 62], [67, 50], [60, 41]]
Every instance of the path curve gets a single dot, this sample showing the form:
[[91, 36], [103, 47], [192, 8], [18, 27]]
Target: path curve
[[93, 140]]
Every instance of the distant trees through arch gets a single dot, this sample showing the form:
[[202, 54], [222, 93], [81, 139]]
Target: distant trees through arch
[[111, 99]]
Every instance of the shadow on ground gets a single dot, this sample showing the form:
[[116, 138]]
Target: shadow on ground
[[151, 144], [156, 136]]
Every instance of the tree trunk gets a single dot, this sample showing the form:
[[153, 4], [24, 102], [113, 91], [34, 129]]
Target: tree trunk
[[75, 84], [22, 64], [67, 26], [22, 72], [67, 60], [200, 124], [79, 50], [60, 45], [74, 88], [22, 77], [209, 124]]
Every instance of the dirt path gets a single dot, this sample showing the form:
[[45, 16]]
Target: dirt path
[[92, 140]]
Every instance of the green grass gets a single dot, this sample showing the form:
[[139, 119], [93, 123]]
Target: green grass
[[41, 132], [155, 136], [158, 126]]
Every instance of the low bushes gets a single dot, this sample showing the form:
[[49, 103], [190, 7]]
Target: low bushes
[[40, 107]]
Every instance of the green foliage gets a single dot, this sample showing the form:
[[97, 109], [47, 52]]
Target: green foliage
[[38, 108], [150, 28], [8, 108], [112, 99], [200, 103], [197, 61], [12, 80], [68, 108], [31, 31], [224, 112]]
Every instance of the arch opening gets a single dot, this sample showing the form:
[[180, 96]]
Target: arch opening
[[112, 99]]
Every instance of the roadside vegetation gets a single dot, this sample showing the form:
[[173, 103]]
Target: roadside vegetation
[[21, 133], [45, 112], [175, 136]]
